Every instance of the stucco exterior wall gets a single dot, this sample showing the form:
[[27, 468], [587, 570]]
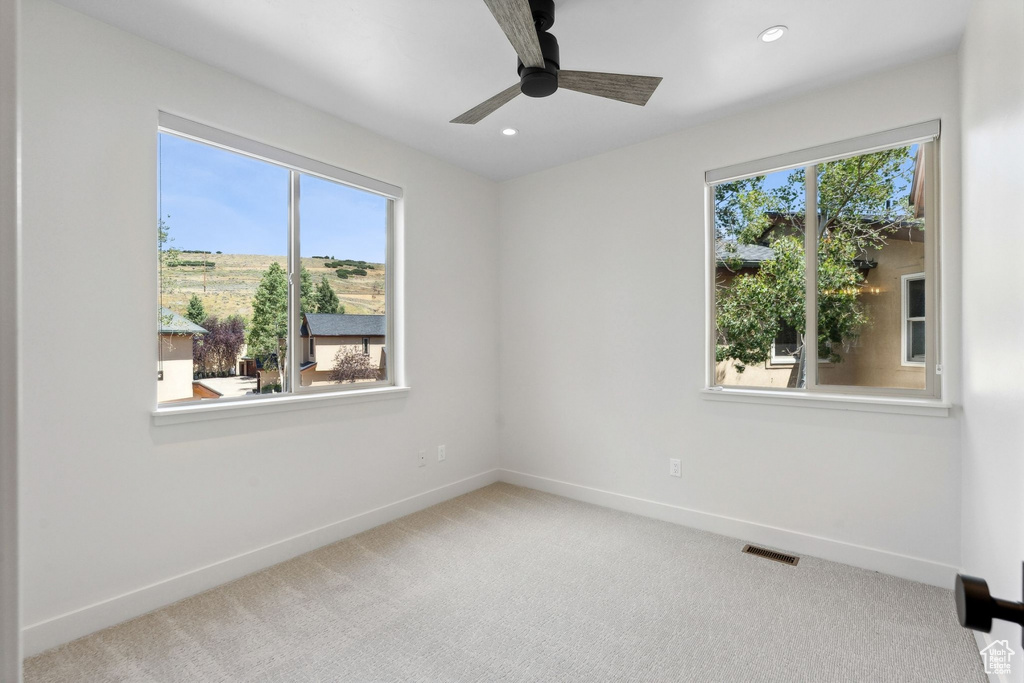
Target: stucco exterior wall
[[874, 359], [175, 350], [326, 348]]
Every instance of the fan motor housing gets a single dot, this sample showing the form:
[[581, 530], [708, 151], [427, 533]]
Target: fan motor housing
[[541, 82]]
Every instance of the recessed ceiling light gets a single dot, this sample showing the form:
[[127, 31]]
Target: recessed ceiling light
[[771, 34], [509, 131]]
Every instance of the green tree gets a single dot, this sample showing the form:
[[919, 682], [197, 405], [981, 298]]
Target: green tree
[[856, 211], [269, 327], [325, 300], [168, 258], [196, 312], [306, 302]]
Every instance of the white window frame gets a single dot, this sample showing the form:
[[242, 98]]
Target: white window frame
[[925, 401], [294, 395], [777, 359], [905, 281]]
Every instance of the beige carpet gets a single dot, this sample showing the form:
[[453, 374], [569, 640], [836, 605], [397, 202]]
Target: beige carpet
[[509, 584]]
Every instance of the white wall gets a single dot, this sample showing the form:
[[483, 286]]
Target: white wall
[[992, 96], [602, 348], [113, 504], [10, 633]]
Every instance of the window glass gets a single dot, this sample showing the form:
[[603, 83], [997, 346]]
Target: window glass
[[759, 280], [915, 298], [915, 344], [223, 241], [871, 229], [344, 251], [787, 344]]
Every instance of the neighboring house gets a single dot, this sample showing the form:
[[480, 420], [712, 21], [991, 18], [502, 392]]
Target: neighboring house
[[174, 365], [325, 334], [890, 349]]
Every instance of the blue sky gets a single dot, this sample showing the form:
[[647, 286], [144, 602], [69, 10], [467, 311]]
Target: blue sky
[[779, 178], [216, 200]]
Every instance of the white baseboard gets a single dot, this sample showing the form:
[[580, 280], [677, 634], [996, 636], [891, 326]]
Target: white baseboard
[[904, 566], [67, 627]]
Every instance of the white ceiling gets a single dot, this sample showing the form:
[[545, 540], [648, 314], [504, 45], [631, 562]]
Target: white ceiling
[[404, 68]]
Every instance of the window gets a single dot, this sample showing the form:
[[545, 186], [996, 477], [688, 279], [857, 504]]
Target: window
[[366, 346], [821, 269], [914, 343], [786, 345], [258, 249]]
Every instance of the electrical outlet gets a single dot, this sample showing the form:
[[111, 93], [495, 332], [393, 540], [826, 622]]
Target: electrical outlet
[[422, 460], [675, 467], [440, 453]]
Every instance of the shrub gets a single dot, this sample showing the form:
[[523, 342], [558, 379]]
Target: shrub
[[342, 273], [334, 263], [358, 271], [352, 366], [270, 389], [197, 264], [217, 351]]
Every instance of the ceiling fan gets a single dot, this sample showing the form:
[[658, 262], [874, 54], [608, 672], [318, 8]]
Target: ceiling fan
[[526, 24]]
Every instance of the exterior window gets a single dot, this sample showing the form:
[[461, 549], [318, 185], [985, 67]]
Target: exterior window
[[913, 319], [819, 272], [366, 346], [786, 346], [259, 248]]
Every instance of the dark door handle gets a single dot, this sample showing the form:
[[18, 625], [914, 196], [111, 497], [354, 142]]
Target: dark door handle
[[977, 608]]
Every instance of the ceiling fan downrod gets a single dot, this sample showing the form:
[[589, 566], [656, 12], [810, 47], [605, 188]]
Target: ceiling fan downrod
[[541, 81]]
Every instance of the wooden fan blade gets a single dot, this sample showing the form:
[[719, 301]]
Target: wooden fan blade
[[621, 87], [482, 110], [516, 19]]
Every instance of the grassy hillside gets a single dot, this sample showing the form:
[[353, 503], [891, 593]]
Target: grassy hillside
[[231, 284]]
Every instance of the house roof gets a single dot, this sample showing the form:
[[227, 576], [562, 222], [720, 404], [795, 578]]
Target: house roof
[[343, 325], [752, 255], [172, 323]]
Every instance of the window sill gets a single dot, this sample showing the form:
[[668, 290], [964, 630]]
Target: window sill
[[870, 404], [198, 412]]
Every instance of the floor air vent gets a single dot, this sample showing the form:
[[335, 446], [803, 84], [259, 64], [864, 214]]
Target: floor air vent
[[771, 555]]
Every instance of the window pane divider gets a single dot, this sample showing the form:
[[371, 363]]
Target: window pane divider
[[294, 286], [392, 368], [932, 283], [811, 278], [710, 295]]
